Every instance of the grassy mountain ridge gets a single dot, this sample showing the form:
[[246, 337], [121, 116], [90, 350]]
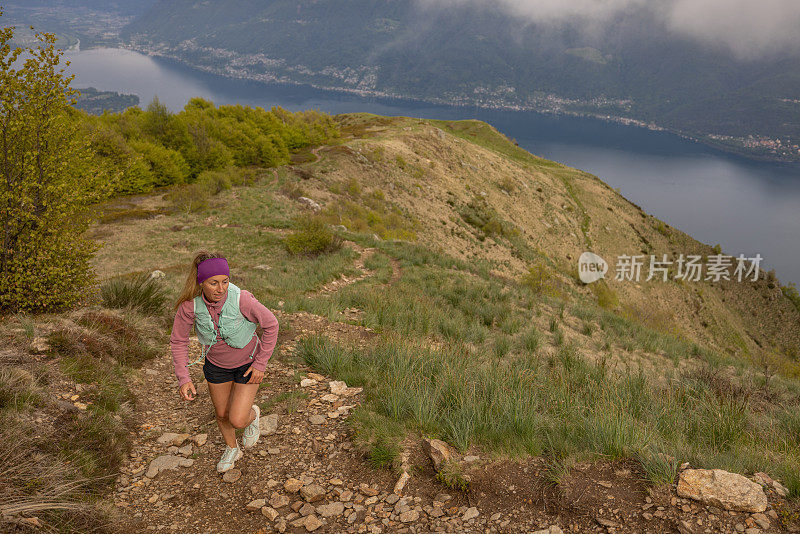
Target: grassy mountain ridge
[[476, 243], [463, 188], [460, 263]]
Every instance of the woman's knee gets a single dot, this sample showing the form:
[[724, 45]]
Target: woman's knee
[[222, 416], [240, 421]]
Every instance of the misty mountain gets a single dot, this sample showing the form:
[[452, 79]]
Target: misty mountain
[[631, 66]]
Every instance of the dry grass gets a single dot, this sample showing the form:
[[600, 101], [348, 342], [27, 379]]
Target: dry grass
[[58, 457]]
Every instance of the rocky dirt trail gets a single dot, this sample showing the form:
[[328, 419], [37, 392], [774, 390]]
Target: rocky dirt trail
[[306, 474]]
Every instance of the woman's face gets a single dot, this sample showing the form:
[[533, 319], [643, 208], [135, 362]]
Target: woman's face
[[215, 288]]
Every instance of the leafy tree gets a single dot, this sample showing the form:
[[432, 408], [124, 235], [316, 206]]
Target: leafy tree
[[47, 181]]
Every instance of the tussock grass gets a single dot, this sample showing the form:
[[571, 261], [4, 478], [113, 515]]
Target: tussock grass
[[58, 470], [19, 389], [450, 474], [42, 484], [563, 407], [143, 293], [378, 436], [530, 340]]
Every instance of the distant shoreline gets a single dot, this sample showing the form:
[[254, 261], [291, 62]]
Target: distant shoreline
[[625, 121]]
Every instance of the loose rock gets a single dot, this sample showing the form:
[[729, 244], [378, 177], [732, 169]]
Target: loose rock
[[292, 485], [438, 450], [269, 512], [232, 475], [167, 461], [256, 505], [716, 487], [330, 510], [471, 513], [312, 492], [269, 424]]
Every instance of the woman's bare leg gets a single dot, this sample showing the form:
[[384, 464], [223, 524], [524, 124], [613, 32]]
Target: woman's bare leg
[[241, 405], [221, 397]]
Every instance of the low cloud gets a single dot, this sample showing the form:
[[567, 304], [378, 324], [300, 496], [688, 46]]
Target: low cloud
[[747, 28], [750, 29]]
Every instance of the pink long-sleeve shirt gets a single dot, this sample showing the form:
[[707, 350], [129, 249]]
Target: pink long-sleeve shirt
[[221, 354]]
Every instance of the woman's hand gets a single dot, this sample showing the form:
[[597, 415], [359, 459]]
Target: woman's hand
[[256, 376], [187, 391]]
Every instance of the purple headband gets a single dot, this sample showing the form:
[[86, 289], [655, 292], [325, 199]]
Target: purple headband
[[211, 267]]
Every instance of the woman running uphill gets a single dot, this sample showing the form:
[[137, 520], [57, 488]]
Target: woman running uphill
[[225, 319]]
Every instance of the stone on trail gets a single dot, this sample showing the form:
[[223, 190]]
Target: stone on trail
[[408, 516], [269, 424], [167, 438], [307, 382], [292, 485], [269, 512], [256, 505], [312, 492], [438, 450], [177, 439], [232, 475], [471, 513], [167, 461], [716, 487], [338, 387], [312, 523], [330, 510], [367, 490], [316, 419], [278, 501], [200, 439]]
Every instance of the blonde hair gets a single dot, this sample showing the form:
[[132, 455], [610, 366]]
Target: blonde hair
[[191, 288]]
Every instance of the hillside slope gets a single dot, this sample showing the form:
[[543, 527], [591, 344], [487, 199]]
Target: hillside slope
[[429, 306], [440, 173], [448, 301]]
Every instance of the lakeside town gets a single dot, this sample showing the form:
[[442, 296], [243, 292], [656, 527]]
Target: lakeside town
[[363, 79], [86, 28]]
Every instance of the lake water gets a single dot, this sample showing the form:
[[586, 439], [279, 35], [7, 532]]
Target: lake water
[[748, 207]]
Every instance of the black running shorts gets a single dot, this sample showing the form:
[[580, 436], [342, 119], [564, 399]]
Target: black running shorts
[[219, 375]]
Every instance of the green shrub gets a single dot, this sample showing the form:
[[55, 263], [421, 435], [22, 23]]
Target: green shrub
[[49, 182], [450, 474], [606, 297], [214, 182], [143, 293], [479, 214], [167, 167], [537, 277], [312, 237]]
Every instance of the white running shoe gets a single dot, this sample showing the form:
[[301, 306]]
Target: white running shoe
[[252, 431], [229, 458]]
